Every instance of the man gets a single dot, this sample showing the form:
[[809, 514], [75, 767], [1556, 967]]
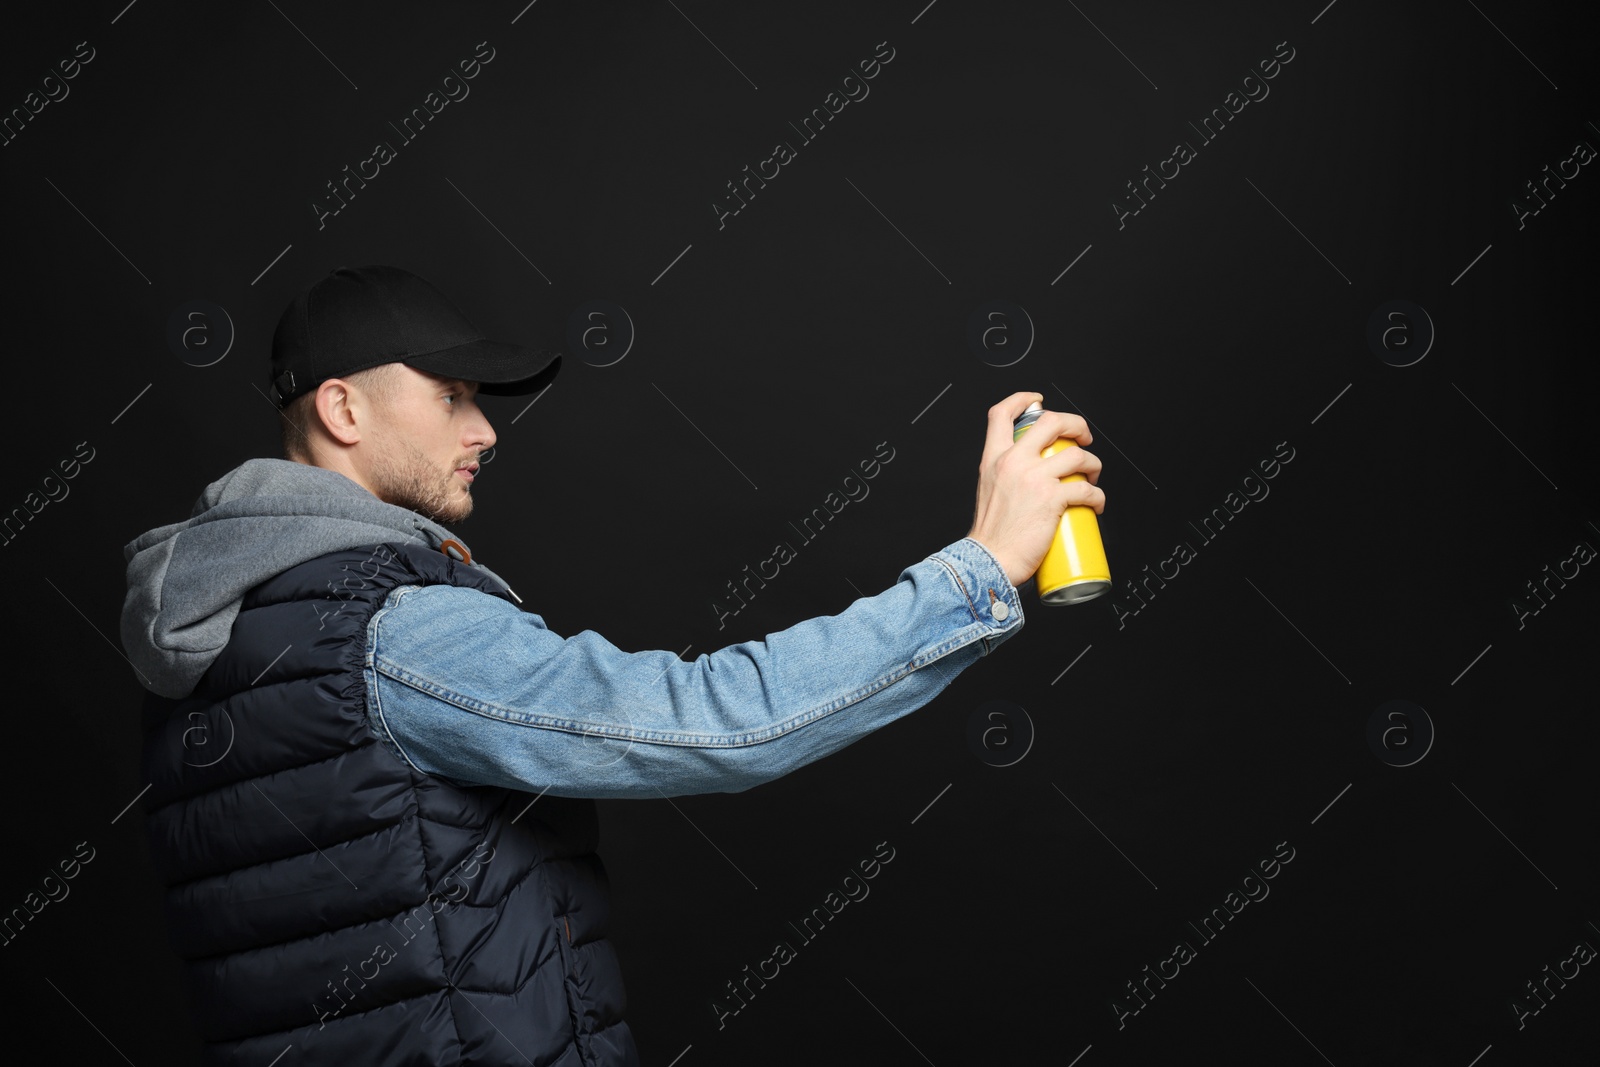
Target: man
[[373, 773]]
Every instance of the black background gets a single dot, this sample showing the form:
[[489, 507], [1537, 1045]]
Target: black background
[[830, 315]]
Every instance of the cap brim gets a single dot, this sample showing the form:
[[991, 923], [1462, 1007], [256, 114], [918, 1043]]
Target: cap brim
[[499, 368]]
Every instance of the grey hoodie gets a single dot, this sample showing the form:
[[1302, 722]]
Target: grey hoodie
[[186, 580]]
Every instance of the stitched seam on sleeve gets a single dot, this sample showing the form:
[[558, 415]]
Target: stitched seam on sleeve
[[370, 675], [688, 740], [966, 635], [956, 577]]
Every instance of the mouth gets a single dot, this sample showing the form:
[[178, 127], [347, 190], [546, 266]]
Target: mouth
[[469, 472]]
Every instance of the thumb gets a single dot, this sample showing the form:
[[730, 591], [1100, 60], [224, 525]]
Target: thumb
[[1001, 419]]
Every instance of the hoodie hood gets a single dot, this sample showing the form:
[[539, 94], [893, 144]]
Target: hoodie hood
[[187, 580]]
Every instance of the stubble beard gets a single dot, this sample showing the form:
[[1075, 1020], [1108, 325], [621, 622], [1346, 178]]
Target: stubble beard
[[408, 479]]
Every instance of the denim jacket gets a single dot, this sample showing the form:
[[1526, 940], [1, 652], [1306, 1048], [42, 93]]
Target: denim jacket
[[472, 688]]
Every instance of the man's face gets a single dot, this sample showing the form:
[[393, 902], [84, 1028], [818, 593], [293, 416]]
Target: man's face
[[428, 436]]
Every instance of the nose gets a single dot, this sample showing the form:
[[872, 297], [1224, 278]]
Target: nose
[[479, 434], [487, 438]]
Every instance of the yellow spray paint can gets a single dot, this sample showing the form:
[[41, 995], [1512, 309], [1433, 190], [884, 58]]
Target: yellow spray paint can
[[1074, 568]]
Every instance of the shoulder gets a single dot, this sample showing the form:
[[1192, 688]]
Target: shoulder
[[450, 624], [447, 612]]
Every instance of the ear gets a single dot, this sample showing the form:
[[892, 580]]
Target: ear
[[335, 412]]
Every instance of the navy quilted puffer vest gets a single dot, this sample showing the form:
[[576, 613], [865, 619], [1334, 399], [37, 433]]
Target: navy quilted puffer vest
[[333, 905]]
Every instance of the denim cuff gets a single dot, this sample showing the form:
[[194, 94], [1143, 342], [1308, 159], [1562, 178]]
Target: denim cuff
[[992, 599]]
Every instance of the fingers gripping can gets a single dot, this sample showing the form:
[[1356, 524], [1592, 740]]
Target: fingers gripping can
[[1074, 568]]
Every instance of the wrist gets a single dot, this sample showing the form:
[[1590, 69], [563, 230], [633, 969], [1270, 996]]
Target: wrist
[[1002, 560]]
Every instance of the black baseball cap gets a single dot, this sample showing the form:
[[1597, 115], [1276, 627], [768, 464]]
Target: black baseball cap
[[360, 317]]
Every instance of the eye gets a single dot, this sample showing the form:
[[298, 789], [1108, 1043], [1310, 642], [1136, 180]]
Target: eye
[[451, 396]]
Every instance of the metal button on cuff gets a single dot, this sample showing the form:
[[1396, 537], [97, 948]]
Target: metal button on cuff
[[998, 608]]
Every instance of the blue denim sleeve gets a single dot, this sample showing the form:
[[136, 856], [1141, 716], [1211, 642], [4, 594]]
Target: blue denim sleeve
[[472, 688]]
